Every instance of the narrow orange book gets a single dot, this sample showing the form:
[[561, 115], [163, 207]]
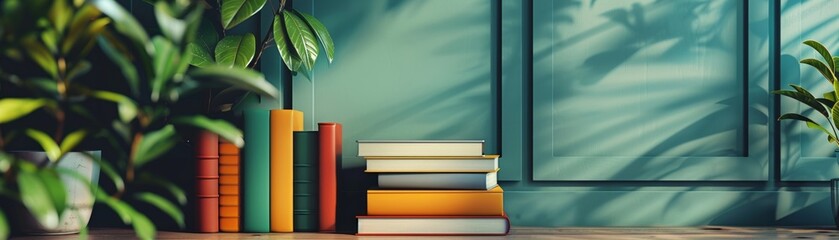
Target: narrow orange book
[[283, 124], [436, 202], [228, 187]]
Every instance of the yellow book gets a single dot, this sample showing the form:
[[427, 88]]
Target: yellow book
[[283, 125], [436, 202]]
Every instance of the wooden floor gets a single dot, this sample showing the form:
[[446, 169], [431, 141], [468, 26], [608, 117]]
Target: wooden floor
[[516, 233]]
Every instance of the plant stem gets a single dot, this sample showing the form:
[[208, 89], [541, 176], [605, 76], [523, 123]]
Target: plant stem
[[135, 144], [269, 36]]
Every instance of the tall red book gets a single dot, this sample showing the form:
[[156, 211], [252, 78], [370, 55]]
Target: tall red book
[[330, 155], [207, 182]]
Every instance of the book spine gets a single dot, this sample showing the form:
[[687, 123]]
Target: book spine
[[207, 182], [229, 175], [255, 172], [283, 125], [306, 181], [330, 155], [445, 202]]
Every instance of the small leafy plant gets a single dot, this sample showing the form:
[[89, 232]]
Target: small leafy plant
[[826, 105], [45, 72]]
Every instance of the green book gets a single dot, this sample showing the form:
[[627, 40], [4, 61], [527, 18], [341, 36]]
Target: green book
[[306, 181], [255, 172]]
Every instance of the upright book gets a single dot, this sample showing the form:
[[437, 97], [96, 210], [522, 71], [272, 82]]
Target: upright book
[[283, 125], [207, 182], [306, 181], [229, 189], [330, 156], [436, 202], [256, 172], [394, 148], [432, 225]]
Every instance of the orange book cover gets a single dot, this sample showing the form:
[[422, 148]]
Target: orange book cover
[[283, 125], [229, 180], [229, 224], [229, 160], [228, 187], [436, 202], [229, 211], [229, 170], [229, 200]]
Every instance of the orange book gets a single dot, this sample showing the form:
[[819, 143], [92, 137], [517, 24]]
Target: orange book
[[436, 202], [229, 180], [228, 187], [283, 125], [229, 170], [232, 160], [229, 211], [229, 224], [229, 200]]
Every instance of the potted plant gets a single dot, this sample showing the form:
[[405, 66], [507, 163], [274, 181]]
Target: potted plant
[[45, 74], [825, 106]]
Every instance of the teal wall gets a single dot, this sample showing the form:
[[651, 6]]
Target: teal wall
[[605, 112]]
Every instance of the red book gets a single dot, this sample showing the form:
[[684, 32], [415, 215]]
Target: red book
[[206, 158], [433, 225], [330, 155]]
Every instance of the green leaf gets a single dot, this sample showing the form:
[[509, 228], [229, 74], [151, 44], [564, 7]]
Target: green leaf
[[154, 144], [4, 226], [236, 50], [200, 56], [79, 27], [166, 62], [322, 34], [59, 14], [55, 188], [109, 171], [129, 71], [36, 198], [126, 107], [810, 123], [234, 12], [14, 108], [72, 139], [46, 142], [826, 102], [124, 22], [243, 78], [143, 227], [170, 26], [122, 209], [805, 98], [825, 54], [836, 63], [818, 65], [79, 69], [164, 205], [207, 36], [177, 192], [41, 55], [222, 128], [302, 38], [291, 60]]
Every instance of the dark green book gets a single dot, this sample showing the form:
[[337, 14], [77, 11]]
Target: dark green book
[[255, 172], [306, 181]]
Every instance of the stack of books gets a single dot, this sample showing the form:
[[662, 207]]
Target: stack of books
[[432, 187]]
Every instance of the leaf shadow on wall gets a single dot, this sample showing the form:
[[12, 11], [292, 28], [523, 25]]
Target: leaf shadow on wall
[[673, 26]]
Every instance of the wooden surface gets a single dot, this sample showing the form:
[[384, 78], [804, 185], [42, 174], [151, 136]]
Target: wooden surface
[[516, 233]]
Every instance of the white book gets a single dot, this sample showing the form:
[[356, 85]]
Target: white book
[[484, 181], [433, 225], [371, 148], [488, 163]]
